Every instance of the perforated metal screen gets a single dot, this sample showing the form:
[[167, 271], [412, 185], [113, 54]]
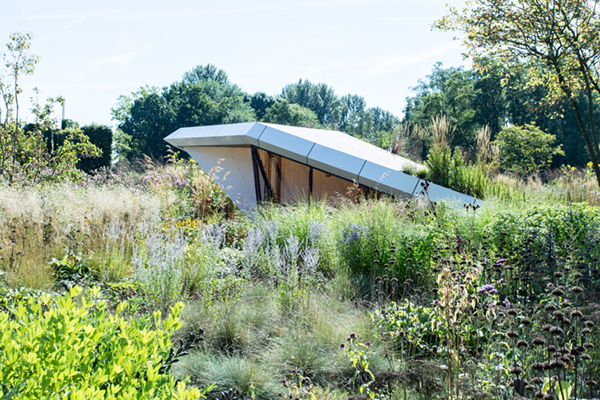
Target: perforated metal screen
[[286, 181]]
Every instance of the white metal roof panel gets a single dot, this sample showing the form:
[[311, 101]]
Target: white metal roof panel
[[335, 162], [387, 180], [285, 144], [439, 193], [235, 134]]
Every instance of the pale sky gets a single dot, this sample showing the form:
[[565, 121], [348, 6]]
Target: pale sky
[[93, 51]]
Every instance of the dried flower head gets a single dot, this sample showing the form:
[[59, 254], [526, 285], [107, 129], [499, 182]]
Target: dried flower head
[[512, 334], [556, 331], [576, 289], [539, 341], [576, 313]]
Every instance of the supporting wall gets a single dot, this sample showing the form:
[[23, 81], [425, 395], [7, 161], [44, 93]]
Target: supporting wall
[[231, 169]]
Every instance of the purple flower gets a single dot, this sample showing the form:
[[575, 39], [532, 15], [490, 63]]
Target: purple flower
[[367, 343], [342, 345], [487, 288], [493, 291], [506, 302], [501, 261]]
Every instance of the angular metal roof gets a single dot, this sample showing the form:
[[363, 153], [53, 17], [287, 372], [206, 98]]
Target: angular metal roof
[[330, 151]]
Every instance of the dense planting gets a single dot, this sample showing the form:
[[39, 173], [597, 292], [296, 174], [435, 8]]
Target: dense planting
[[380, 299]]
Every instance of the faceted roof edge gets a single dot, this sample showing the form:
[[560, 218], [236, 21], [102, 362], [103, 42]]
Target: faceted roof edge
[[331, 151]]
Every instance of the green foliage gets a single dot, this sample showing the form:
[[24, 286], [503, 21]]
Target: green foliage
[[542, 32], [100, 136], [57, 348], [375, 242], [203, 97], [439, 161], [24, 154], [260, 103], [449, 92], [526, 149], [284, 113]]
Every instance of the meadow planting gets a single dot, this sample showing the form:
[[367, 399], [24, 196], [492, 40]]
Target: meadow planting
[[151, 285]]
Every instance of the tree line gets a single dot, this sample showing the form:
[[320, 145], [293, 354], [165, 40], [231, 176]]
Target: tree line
[[206, 96], [496, 97]]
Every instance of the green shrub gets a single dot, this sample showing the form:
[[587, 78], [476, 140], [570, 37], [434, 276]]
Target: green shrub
[[101, 137], [58, 349]]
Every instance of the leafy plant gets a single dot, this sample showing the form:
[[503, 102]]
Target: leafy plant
[[57, 348]]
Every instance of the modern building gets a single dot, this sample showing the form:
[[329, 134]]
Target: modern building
[[254, 162]]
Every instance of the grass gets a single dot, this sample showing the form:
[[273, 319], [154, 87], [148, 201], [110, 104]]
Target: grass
[[267, 316]]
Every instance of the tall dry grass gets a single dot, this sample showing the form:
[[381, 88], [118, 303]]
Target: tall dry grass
[[39, 223]]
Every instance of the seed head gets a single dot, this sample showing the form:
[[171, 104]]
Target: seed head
[[512, 334], [556, 331], [539, 341], [576, 313], [516, 370], [558, 315]]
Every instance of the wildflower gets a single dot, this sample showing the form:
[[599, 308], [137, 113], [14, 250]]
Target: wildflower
[[353, 335], [506, 303], [486, 288], [367, 343], [342, 345], [501, 261]]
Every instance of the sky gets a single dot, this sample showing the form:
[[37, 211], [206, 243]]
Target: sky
[[93, 51]]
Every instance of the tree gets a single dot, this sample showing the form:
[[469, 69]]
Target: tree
[[561, 36], [284, 113], [446, 92], [319, 98], [150, 119], [24, 153], [526, 149], [260, 102], [101, 136], [204, 97]]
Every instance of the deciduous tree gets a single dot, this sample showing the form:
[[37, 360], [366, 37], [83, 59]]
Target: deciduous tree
[[561, 36]]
